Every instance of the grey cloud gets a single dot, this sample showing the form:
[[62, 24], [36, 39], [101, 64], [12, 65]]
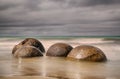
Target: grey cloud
[[79, 3], [69, 30], [5, 7], [102, 2], [32, 5], [57, 17], [6, 4]]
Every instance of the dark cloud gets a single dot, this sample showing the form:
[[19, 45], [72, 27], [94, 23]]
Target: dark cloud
[[79, 3], [102, 2], [5, 7]]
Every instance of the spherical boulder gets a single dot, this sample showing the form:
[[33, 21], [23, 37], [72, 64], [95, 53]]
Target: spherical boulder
[[59, 50], [27, 51], [87, 53], [29, 42]]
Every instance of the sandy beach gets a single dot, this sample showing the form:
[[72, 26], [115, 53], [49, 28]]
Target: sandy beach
[[60, 68]]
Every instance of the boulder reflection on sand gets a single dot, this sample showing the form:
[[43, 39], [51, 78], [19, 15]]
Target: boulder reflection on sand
[[59, 50], [88, 53], [29, 47], [28, 51]]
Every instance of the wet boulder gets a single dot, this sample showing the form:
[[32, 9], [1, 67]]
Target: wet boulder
[[29, 42], [87, 53], [27, 51], [15, 48], [59, 50]]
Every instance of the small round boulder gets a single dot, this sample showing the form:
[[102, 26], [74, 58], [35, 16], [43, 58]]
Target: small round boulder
[[59, 50], [29, 42], [87, 53], [27, 51]]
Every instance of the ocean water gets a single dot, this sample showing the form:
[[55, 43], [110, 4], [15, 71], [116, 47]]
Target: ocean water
[[59, 67]]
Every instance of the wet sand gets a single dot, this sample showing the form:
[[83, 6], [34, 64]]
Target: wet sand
[[58, 67]]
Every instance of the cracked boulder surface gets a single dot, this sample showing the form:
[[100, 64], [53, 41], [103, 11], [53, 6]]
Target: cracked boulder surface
[[87, 53], [27, 43]]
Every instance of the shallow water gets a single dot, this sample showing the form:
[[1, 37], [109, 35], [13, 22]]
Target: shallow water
[[60, 68]]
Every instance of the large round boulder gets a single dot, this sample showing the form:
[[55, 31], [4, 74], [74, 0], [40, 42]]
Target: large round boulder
[[59, 50], [27, 51], [87, 53], [29, 42]]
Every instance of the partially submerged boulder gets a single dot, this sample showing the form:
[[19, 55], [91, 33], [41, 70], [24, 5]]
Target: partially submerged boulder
[[27, 51], [59, 50], [87, 53], [29, 47], [33, 42], [29, 42]]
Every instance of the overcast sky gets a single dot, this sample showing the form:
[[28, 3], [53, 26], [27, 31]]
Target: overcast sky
[[60, 17]]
